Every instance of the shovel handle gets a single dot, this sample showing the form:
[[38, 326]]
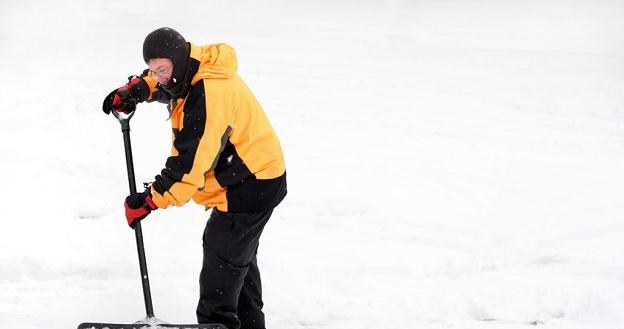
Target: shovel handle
[[124, 120]]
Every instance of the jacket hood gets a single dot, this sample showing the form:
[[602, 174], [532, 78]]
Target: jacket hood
[[217, 61]]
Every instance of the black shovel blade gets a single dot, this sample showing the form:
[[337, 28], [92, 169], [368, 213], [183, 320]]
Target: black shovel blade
[[93, 325]]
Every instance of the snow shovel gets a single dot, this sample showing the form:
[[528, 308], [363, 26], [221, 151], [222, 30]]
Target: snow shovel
[[150, 321]]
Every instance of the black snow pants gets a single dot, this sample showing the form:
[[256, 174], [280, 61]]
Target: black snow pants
[[229, 284]]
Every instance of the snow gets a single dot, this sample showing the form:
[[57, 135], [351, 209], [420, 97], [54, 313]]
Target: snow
[[451, 164]]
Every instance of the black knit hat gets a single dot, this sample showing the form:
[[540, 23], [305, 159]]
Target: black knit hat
[[168, 43]]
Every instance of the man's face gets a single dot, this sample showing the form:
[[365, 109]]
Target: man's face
[[161, 69]]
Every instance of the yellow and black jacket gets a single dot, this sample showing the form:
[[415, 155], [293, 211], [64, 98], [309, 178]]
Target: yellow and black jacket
[[225, 154]]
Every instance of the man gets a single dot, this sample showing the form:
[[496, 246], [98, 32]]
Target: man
[[225, 156]]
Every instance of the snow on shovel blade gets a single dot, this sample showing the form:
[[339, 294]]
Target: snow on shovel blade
[[89, 325]]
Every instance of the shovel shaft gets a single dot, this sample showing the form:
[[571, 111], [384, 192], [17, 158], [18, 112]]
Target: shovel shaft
[[147, 295]]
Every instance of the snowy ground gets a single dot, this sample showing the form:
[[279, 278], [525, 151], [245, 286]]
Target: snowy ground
[[451, 164]]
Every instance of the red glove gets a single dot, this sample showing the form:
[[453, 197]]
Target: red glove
[[138, 206], [125, 98]]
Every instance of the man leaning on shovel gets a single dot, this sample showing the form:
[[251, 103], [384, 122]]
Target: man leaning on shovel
[[225, 156]]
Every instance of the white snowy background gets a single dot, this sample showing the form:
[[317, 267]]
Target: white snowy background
[[451, 164]]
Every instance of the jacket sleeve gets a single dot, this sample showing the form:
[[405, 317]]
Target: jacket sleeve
[[196, 148]]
